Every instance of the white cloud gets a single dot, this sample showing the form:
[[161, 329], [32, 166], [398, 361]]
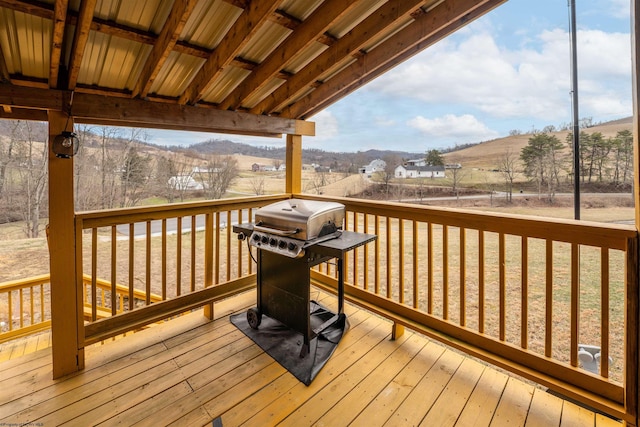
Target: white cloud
[[620, 9], [326, 125], [526, 82], [453, 128]]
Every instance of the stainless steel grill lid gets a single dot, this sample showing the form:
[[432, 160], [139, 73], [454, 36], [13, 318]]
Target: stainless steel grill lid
[[300, 219]]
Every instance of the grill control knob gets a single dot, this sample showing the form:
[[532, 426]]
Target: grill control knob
[[256, 237], [265, 239], [273, 241], [282, 244], [292, 246]]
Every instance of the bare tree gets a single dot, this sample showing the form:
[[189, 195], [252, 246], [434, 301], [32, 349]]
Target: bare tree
[[507, 165], [7, 154], [257, 184], [456, 175], [33, 161], [218, 175]]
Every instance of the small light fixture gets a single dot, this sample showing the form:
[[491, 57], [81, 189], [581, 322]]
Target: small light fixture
[[65, 145]]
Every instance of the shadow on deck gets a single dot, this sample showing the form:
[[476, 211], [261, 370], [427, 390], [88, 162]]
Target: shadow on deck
[[189, 372]]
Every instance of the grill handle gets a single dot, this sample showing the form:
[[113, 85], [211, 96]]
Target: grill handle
[[276, 231]]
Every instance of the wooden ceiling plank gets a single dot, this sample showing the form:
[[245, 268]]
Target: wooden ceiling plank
[[89, 108], [163, 46], [80, 37], [41, 10], [57, 38], [423, 32], [251, 19], [306, 33], [4, 71], [349, 44], [284, 19]]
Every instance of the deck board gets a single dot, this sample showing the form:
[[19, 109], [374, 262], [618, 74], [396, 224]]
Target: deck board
[[189, 371]]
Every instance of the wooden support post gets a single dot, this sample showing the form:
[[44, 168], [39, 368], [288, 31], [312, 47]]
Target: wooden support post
[[397, 330], [293, 164], [632, 391], [67, 327]]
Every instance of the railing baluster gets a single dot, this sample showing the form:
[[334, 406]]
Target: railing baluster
[[94, 273], [429, 268], [365, 284], [147, 278], [400, 260], [131, 263], [355, 252], [217, 250], [503, 286], [481, 284], [377, 257], [179, 256], [239, 257], [192, 277], [575, 302], [228, 230], [416, 263], [524, 296], [548, 338], [463, 277], [604, 312], [10, 307], [445, 272], [388, 256], [21, 306], [164, 259], [114, 251]]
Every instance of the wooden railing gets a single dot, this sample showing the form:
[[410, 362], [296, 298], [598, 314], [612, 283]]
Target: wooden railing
[[24, 307], [186, 254], [522, 293]]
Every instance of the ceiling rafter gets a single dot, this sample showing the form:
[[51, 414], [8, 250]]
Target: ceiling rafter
[[246, 25], [57, 39], [80, 37], [302, 37], [180, 13], [427, 28], [348, 45]]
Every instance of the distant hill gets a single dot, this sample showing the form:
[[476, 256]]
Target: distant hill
[[486, 154]]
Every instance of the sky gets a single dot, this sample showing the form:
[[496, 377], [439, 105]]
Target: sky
[[509, 70]]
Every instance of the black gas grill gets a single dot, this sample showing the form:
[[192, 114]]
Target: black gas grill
[[292, 236]]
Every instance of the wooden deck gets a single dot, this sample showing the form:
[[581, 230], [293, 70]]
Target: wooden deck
[[188, 372]]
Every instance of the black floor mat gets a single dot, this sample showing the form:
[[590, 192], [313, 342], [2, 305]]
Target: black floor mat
[[284, 344]]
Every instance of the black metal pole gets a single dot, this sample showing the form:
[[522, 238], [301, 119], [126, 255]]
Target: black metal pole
[[574, 103]]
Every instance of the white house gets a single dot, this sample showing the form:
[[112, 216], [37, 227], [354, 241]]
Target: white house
[[407, 171], [377, 165]]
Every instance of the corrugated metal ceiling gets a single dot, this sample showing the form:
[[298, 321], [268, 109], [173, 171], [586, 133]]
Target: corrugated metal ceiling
[[267, 57]]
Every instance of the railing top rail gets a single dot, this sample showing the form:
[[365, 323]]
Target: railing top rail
[[614, 236], [105, 218], [17, 284]]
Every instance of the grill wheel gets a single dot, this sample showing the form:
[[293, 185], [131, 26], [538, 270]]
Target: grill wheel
[[254, 318]]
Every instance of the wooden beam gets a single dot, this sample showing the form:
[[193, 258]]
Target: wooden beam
[[422, 33], [298, 41], [4, 71], [180, 13], [80, 37], [57, 38], [349, 44], [238, 36], [88, 108], [66, 306], [10, 113]]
